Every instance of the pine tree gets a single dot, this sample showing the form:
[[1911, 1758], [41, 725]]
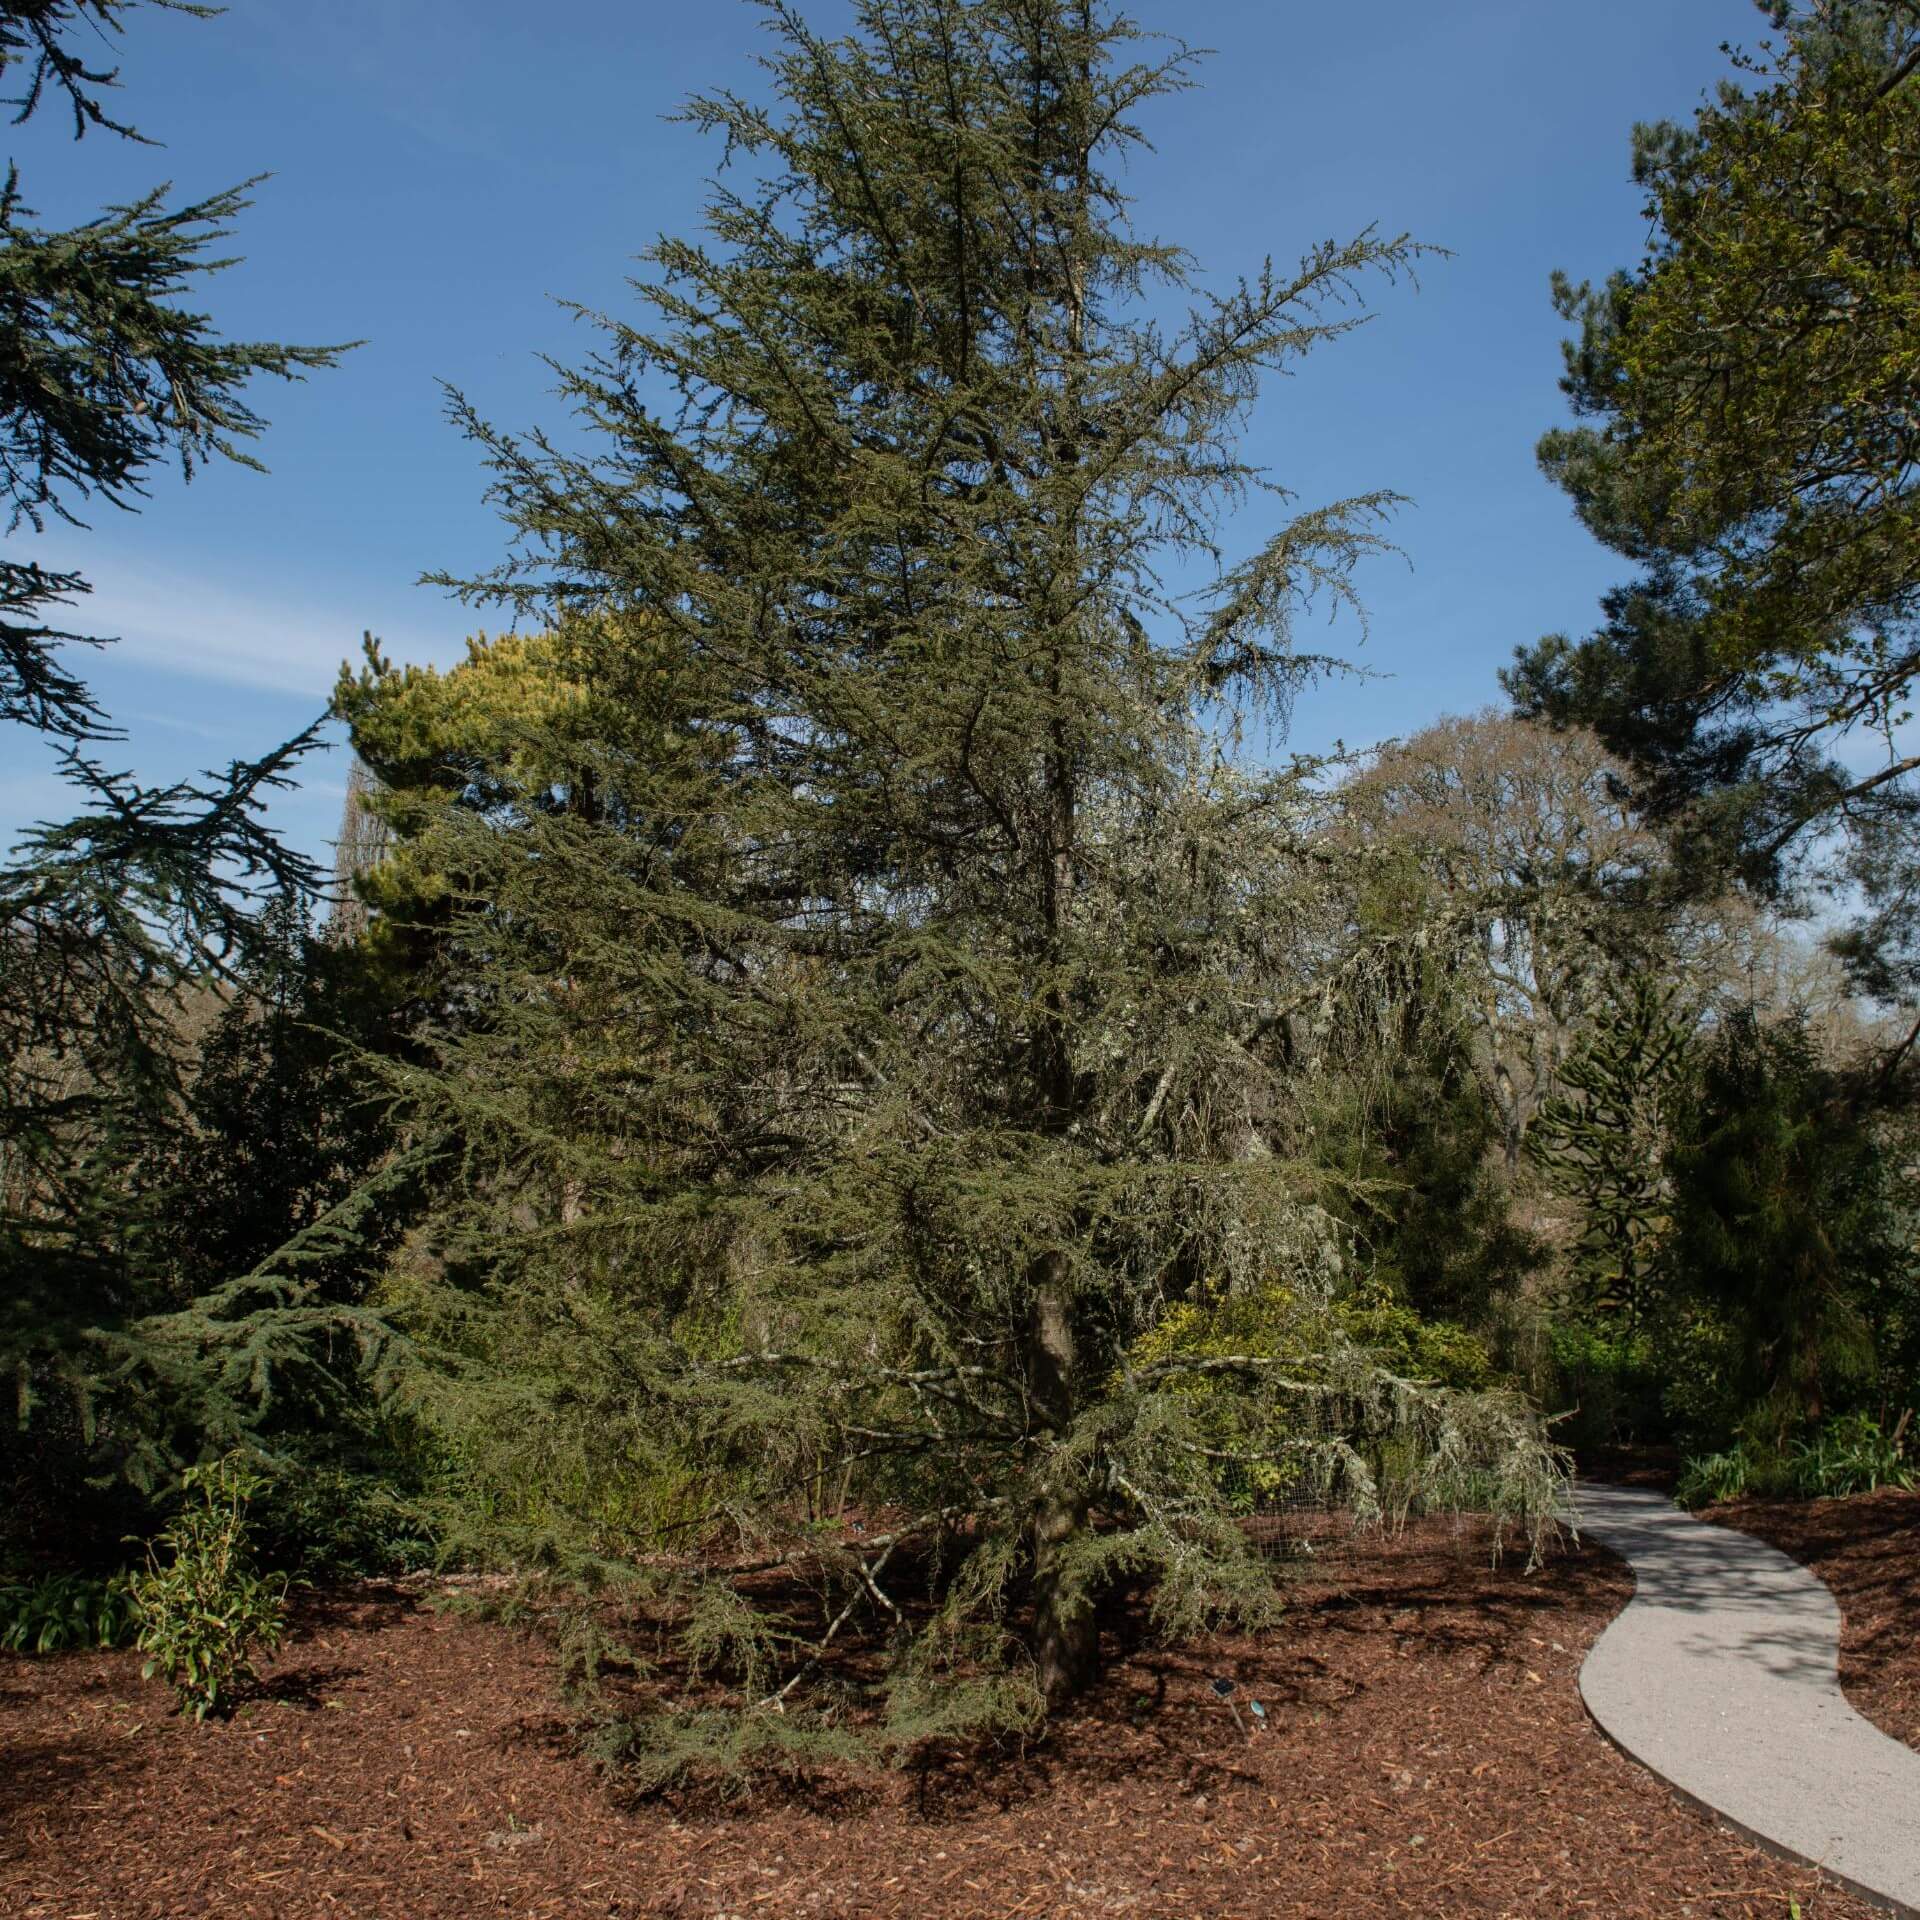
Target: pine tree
[[103, 372], [863, 1038], [113, 923], [1782, 1218], [1747, 437]]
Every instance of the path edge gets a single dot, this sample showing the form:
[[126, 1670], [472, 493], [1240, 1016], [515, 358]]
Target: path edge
[[1886, 1902]]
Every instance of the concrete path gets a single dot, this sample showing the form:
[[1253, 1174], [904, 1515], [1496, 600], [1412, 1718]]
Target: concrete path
[[1722, 1677]]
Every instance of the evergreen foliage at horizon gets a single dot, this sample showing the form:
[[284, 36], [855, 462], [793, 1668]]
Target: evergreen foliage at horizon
[[879, 998], [129, 1347], [854, 1100]]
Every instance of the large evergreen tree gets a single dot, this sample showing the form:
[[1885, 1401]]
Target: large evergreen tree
[[1603, 1142], [112, 922], [1782, 1217], [864, 1040], [1747, 435]]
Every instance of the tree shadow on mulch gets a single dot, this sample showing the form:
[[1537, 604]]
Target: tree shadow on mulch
[[364, 1605], [44, 1784], [1154, 1719], [306, 1688], [315, 1615]]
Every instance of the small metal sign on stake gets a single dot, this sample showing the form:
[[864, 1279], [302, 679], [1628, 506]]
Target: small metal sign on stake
[[1224, 1688]]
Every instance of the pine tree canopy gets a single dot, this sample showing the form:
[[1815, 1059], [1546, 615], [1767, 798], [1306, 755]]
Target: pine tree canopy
[[127, 1348], [1749, 437], [103, 370], [862, 1042], [1781, 1209], [36, 46]]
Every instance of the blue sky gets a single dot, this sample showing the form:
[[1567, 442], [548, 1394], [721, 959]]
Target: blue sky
[[445, 170]]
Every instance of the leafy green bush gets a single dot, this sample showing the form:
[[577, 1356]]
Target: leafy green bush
[[1850, 1455], [338, 1522], [203, 1611], [1608, 1382], [1439, 1351], [1703, 1396], [1707, 1479], [64, 1611], [1404, 1415], [1292, 1320]]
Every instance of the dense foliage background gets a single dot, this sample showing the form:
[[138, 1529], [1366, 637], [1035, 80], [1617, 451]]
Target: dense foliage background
[[849, 1104]]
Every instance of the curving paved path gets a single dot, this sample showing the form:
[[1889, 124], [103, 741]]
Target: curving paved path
[[1722, 1677]]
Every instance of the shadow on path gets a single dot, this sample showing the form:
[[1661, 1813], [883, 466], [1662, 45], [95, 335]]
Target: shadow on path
[[1722, 1676]]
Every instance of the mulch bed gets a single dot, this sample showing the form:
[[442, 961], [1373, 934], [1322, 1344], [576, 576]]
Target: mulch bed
[[1867, 1549], [1427, 1754]]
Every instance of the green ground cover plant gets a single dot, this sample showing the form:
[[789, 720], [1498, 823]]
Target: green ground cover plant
[[61, 1611]]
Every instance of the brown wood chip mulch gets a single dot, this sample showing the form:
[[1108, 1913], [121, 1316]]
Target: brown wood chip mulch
[[1426, 1754], [1867, 1549]]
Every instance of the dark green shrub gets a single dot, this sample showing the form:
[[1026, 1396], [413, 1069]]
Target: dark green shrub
[[1607, 1383], [1782, 1217], [1850, 1455], [1697, 1353], [66, 1610], [339, 1523]]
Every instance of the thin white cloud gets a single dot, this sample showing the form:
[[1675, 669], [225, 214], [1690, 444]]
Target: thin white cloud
[[179, 624], [173, 722]]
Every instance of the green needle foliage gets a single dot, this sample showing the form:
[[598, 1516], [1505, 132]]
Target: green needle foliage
[[1602, 1140], [103, 369], [1782, 1219], [36, 50], [125, 1352], [875, 1004]]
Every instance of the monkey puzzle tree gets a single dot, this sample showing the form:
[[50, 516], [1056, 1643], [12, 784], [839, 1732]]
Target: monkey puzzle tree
[[865, 1042], [1603, 1141]]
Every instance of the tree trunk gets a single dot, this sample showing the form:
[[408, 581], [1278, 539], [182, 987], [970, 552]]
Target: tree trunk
[[1066, 1642], [1066, 1639]]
